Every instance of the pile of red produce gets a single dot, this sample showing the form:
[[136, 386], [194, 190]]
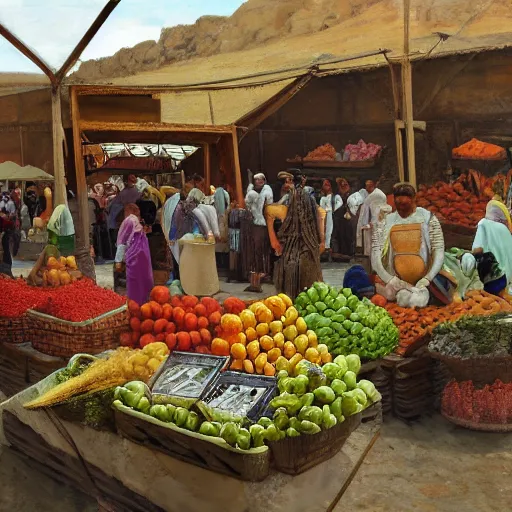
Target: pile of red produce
[[361, 151], [80, 301], [183, 322], [490, 405], [76, 302]]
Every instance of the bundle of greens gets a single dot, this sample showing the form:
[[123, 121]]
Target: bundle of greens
[[473, 336]]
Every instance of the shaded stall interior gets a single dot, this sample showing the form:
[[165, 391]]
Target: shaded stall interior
[[458, 96]]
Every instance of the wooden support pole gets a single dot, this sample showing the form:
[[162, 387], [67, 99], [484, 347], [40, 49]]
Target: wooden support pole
[[58, 150], [207, 166], [408, 114], [82, 230], [399, 151], [238, 173]]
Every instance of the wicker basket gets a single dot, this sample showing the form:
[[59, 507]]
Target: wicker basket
[[62, 338], [483, 427], [206, 452], [13, 330], [481, 370], [294, 455]]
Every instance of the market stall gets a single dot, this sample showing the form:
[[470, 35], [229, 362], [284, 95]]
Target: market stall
[[189, 388]]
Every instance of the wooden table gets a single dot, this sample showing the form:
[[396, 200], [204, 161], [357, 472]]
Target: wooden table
[[131, 477]]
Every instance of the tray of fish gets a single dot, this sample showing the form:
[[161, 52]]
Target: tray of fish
[[184, 378], [236, 396]]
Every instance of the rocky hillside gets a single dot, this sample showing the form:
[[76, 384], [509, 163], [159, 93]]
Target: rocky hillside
[[260, 22], [255, 23]]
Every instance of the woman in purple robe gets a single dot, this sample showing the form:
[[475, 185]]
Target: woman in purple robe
[[133, 250]]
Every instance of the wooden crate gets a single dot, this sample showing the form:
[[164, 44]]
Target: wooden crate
[[252, 466], [21, 366]]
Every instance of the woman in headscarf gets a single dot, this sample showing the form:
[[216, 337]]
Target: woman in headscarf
[[98, 194], [256, 247], [493, 235], [330, 202], [369, 213], [299, 242], [133, 250], [343, 221]]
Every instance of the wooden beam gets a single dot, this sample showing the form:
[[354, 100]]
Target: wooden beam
[[207, 166], [20, 46], [60, 195], [86, 39], [408, 114], [399, 150], [238, 172], [81, 183], [100, 126]]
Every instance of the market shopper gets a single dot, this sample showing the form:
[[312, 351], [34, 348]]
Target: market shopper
[[407, 250], [6, 229], [257, 247], [373, 206], [133, 252], [299, 242], [493, 235], [344, 222], [330, 202]]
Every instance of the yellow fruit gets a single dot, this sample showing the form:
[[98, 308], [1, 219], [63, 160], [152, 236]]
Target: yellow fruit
[[153, 364], [248, 366], [279, 340], [313, 340], [262, 329], [237, 365], [260, 362], [266, 343], [276, 305], [282, 364], [276, 326], [253, 349], [289, 350], [64, 277], [293, 362], [251, 334], [301, 343], [269, 370], [287, 301], [264, 315], [290, 333], [291, 316], [248, 318], [302, 328], [71, 262], [312, 355], [273, 355], [322, 349], [326, 358], [242, 338], [238, 351], [52, 263], [255, 306]]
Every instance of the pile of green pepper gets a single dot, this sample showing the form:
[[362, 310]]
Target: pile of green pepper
[[346, 324]]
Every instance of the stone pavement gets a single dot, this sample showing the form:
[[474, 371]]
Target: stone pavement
[[333, 274]]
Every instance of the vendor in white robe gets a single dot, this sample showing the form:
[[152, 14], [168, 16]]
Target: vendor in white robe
[[330, 202], [407, 250], [493, 235]]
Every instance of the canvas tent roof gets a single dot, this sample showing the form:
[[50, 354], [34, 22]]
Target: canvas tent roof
[[14, 172]]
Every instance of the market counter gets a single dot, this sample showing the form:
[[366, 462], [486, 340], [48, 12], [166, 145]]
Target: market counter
[[128, 476]]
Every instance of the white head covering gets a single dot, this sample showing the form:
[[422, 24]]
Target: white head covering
[[259, 176]]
